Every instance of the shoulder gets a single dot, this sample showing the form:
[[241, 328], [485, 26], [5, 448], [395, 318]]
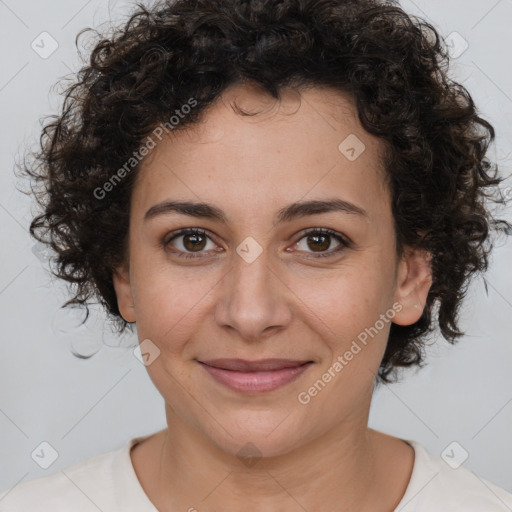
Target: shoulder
[[86, 486], [442, 485]]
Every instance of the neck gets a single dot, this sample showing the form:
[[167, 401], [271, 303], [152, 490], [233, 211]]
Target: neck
[[335, 471]]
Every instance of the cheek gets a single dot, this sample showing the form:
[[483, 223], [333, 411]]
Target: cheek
[[348, 317], [349, 296], [346, 308], [169, 301]]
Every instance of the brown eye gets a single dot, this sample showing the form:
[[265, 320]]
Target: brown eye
[[194, 241], [188, 241], [320, 240]]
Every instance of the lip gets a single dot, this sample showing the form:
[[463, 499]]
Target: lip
[[262, 365], [255, 376]]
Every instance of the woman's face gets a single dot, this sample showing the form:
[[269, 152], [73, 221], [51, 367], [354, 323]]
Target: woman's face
[[256, 285]]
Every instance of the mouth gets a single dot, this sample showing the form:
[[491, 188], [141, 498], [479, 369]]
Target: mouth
[[255, 376]]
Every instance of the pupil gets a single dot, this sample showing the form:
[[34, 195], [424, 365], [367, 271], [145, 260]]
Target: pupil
[[195, 244], [316, 238]]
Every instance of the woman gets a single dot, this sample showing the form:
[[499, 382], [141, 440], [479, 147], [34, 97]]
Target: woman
[[285, 198]]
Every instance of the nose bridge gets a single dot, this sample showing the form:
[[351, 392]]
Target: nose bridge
[[253, 297]]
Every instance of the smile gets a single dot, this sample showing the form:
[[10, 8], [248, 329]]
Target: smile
[[254, 376]]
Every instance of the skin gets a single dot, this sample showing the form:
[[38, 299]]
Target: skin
[[286, 304]]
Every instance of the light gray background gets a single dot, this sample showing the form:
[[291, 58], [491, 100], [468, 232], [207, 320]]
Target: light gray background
[[83, 407]]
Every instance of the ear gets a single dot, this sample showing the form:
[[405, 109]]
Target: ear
[[414, 278], [122, 286]]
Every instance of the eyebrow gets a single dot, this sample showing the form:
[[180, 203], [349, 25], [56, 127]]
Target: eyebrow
[[286, 214]]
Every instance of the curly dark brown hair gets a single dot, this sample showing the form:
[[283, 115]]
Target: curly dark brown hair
[[393, 64]]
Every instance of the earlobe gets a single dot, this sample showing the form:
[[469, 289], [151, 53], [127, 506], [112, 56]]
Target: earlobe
[[414, 279], [123, 289]]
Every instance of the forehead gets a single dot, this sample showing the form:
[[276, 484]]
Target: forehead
[[310, 143]]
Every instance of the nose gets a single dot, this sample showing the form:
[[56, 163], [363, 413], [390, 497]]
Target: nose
[[254, 301]]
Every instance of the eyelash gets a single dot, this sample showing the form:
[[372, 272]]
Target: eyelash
[[344, 242]]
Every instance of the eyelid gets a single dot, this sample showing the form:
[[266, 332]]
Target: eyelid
[[344, 241], [183, 232], [327, 231], [187, 231]]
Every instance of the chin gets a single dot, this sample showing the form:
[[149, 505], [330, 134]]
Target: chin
[[257, 434], [256, 446]]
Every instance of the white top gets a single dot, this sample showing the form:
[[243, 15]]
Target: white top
[[108, 483]]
